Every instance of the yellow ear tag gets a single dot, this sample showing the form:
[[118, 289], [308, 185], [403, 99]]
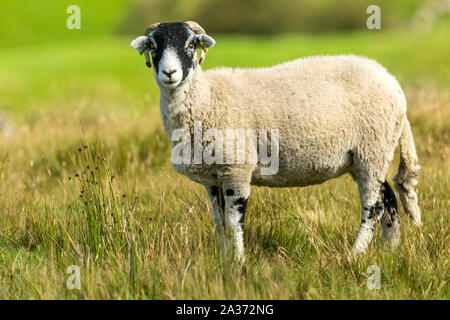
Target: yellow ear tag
[[203, 47]]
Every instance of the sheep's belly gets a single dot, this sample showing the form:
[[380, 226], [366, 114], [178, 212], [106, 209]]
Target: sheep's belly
[[294, 179], [294, 170], [299, 172]]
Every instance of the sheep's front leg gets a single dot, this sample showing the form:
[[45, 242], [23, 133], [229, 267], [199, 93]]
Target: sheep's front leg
[[236, 198], [217, 202], [229, 202]]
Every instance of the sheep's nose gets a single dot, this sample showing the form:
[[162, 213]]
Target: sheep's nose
[[169, 73]]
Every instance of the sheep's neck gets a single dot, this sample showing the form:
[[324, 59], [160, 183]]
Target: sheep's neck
[[181, 106]]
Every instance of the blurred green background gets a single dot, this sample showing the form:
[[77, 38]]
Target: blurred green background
[[40, 59], [37, 22]]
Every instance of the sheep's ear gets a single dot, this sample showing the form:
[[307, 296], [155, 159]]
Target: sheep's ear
[[205, 41], [139, 43]]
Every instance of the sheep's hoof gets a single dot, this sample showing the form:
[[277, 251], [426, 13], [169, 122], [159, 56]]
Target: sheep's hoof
[[417, 222], [357, 251]]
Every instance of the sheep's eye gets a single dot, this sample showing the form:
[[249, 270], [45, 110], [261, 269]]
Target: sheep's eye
[[191, 45], [152, 46]]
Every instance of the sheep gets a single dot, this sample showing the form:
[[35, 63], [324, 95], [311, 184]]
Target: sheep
[[333, 115]]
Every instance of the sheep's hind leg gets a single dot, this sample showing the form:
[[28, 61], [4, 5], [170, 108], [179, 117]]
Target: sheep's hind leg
[[390, 222], [371, 212]]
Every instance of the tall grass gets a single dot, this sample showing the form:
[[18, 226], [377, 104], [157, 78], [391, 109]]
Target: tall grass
[[138, 230]]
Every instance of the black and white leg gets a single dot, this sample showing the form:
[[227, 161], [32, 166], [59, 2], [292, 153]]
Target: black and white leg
[[390, 223], [372, 210], [236, 198], [229, 203]]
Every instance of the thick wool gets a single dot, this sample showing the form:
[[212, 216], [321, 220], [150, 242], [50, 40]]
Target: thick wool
[[335, 115]]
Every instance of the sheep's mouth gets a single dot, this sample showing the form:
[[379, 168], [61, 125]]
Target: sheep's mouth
[[171, 84]]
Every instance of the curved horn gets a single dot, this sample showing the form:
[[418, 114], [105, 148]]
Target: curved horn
[[151, 28], [198, 30], [195, 27], [146, 54]]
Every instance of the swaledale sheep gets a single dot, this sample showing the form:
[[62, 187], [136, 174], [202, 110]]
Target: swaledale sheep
[[334, 115]]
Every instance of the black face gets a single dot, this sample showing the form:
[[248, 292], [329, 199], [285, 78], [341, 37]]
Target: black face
[[177, 38]]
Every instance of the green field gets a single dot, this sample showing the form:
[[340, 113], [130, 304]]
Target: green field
[[86, 180]]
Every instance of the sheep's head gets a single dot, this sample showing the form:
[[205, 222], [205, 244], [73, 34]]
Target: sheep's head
[[173, 49]]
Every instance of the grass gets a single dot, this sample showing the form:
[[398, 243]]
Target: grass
[[86, 180]]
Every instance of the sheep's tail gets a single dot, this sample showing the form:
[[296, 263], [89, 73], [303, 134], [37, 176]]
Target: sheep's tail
[[408, 170]]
